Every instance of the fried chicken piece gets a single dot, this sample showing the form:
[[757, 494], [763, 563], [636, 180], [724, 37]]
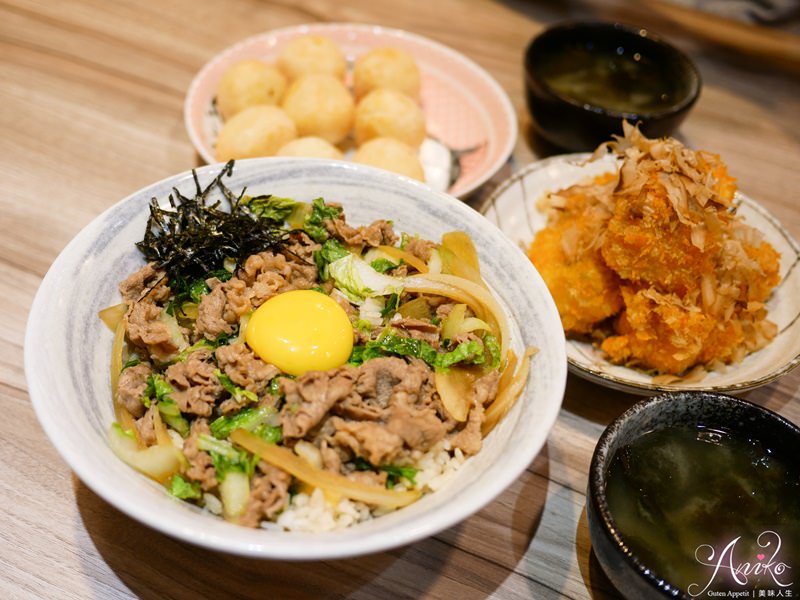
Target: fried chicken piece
[[647, 244], [585, 290], [657, 331], [660, 246], [567, 255]]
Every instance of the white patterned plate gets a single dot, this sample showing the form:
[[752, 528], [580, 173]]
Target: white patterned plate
[[512, 207], [465, 108], [68, 349]]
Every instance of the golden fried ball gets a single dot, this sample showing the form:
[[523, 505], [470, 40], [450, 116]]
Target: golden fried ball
[[392, 155], [311, 146], [311, 54], [386, 68], [389, 113], [248, 83], [256, 131], [320, 105]]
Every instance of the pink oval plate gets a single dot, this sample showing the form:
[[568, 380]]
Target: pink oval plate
[[465, 109]]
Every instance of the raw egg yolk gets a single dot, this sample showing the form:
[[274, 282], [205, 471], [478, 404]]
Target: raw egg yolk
[[299, 331]]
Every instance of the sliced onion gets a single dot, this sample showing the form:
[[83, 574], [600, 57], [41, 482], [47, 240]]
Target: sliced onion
[[128, 423], [418, 308], [327, 481], [234, 491], [506, 398], [479, 298], [451, 325], [454, 387], [435, 262], [474, 324], [406, 257], [157, 462], [162, 435], [309, 452], [508, 372], [460, 258], [117, 348], [189, 310], [112, 315]]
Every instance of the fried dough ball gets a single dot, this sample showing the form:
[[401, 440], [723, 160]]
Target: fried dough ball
[[311, 146], [386, 68], [389, 113], [311, 54], [392, 155], [320, 105], [256, 131], [248, 83]]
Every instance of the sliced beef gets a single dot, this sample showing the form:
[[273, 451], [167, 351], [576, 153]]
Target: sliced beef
[[420, 429], [378, 233], [331, 459], [146, 427], [485, 387], [147, 281], [304, 274], [269, 493], [420, 248], [376, 381], [244, 368], [358, 408], [420, 329], [371, 441], [237, 299], [262, 263], [301, 248], [131, 386], [195, 386], [309, 398], [369, 477], [378, 378], [210, 321], [146, 330], [400, 270], [200, 467], [265, 287], [391, 412], [469, 439]]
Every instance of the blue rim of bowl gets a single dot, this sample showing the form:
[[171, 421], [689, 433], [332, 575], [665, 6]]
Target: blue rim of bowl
[[600, 457], [691, 97]]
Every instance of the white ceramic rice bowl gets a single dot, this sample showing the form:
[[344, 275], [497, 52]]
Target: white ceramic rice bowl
[[67, 354]]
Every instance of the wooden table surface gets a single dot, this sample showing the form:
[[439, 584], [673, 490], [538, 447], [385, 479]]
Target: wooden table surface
[[92, 95]]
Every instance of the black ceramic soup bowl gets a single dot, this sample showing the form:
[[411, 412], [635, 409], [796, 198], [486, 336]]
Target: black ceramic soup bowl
[[696, 494], [583, 79]]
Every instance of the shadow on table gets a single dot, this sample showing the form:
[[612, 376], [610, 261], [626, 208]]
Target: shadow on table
[[598, 584], [472, 558], [594, 402]]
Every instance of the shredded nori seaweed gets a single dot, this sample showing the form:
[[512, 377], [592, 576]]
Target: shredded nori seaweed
[[195, 236]]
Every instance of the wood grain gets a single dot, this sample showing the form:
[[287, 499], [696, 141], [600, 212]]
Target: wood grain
[[91, 95]]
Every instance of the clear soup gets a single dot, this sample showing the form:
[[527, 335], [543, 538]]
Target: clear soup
[[616, 80], [707, 510]]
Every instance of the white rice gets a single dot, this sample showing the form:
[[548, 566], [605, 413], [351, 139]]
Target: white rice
[[314, 513]]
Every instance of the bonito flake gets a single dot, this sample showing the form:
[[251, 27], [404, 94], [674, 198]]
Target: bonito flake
[[653, 263]]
